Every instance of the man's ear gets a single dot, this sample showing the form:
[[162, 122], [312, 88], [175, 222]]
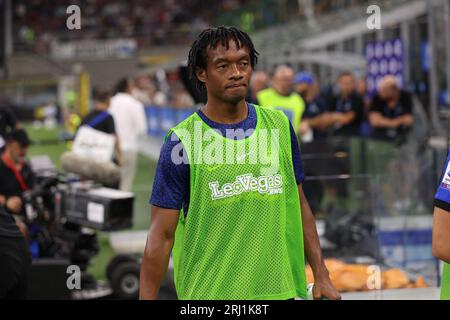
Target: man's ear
[[201, 74]]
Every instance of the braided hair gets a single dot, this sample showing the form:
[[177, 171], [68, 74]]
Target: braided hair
[[209, 38]]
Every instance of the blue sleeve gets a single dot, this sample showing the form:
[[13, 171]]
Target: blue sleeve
[[296, 157], [442, 197], [171, 184]]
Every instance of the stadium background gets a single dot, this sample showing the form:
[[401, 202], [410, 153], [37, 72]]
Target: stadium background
[[47, 70]]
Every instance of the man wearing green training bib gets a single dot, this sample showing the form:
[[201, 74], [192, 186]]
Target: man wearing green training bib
[[281, 96], [244, 226], [441, 228]]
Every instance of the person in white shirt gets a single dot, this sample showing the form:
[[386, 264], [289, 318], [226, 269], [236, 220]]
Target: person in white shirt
[[129, 117]]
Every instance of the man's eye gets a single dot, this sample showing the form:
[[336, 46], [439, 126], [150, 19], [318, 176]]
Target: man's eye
[[222, 66]]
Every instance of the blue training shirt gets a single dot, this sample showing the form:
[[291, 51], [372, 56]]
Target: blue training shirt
[[172, 181], [442, 197]]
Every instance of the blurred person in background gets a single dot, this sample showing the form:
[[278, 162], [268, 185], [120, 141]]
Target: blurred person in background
[[99, 119], [16, 176], [441, 227], [346, 107], [70, 117], [258, 82], [50, 114], [181, 99], [8, 122], [314, 117], [144, 90], [281, 95], [130, 120], [361, 88], [391, 115]]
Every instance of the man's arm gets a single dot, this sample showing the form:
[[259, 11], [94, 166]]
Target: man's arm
[[378, 121], [117, 152], [328, 119], [323, 288], [441, 221], [157, 251], [111, 129], [344, 118], [322, 121], [170, 190], [441, 234], [406, 120]]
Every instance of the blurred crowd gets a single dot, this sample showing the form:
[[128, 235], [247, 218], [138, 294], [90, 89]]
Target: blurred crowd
[[38, 22], [345, 108], [162, 89]]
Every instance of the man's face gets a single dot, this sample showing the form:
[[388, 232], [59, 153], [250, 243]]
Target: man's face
[[260, 82], [283, 82], [346, 84], [17, 152], [388, 92], [131, 86], [227, 73], [302, 88]]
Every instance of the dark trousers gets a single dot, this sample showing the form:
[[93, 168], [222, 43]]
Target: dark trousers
[[15, 264]]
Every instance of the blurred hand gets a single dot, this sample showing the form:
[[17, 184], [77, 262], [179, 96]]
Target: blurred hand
[[339, 118], [326, 120], [14, 204], [402, 121], [304, 127], [2, 200], [394, 123], [335, 116]]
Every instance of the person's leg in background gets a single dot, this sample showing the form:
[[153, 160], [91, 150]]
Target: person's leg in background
[[15, 264], [128, 170]]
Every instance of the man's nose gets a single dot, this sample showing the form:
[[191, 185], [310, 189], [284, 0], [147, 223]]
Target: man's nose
[[235, 72]]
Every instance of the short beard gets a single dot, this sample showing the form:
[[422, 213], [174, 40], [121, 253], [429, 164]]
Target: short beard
[[233, 100]]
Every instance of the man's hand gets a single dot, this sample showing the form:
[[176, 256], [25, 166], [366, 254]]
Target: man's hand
[[324, 289], [396, 122], [304, 127], [337, 117], [14, 204], [344, 119], [326, 120], [405, 120]]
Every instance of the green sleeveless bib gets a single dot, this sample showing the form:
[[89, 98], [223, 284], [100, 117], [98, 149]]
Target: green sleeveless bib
[[242, 237]]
